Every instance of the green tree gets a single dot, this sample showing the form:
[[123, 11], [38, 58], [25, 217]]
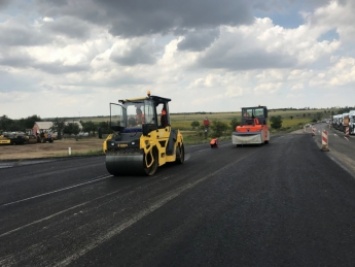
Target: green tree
[[218, 128], [58, 126], [6, 124], [105, 128], [30, 121], [89, 126], [276, 122], [317, 117], [234, 123], [195, 124], [71, 128]]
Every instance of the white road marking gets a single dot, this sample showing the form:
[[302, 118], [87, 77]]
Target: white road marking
[[60, 212], [56, 191], [43, 219], [137, 217]]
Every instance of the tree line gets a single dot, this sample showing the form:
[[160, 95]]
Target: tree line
[[10, 125], [218, 128], [60, 125]]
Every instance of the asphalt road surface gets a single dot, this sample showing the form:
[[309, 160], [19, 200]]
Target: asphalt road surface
[[283, 204]]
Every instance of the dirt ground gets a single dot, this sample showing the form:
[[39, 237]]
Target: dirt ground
[[59, 148]]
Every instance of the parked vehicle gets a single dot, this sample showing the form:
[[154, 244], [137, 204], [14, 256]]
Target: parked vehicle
[[44, 137], [4, 140], [344, 122], [13, 138], [31, 139], [352, 121]]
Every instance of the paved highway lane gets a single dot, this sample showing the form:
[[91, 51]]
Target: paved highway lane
[[283, 204]]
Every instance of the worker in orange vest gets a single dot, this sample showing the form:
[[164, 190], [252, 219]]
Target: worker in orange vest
[[163, 118], [256, 121], [214, 143]]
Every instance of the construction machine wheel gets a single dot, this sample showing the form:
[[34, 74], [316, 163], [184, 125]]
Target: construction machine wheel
[[150, 162], [180, 154], [120, 164]]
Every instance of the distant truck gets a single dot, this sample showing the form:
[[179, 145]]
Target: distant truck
[[44, 137], [344, 121], [352, 122], [13, 138], [253, 128], [4, 140]]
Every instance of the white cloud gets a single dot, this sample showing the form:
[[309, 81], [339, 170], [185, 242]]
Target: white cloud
[[343, 72], [267, 88], [214, 56], [264, 45], [297, 87], [48, 19]]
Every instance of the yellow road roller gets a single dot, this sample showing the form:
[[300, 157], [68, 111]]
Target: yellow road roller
[[142, 138]]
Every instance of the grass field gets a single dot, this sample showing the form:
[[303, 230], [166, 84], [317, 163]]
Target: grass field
[[292, 119], [59, 148]]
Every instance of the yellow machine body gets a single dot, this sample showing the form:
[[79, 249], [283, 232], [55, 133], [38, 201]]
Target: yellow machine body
[[142, 138]]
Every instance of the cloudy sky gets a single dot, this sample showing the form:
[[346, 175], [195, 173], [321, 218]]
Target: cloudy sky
[[62, 58]]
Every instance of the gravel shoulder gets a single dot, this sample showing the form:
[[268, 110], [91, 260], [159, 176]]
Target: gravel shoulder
[[59, 148]]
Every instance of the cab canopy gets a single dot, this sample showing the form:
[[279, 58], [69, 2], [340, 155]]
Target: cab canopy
[[249, 114], [139, 113]]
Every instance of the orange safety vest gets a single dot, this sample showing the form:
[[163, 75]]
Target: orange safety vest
[[213, 141]]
